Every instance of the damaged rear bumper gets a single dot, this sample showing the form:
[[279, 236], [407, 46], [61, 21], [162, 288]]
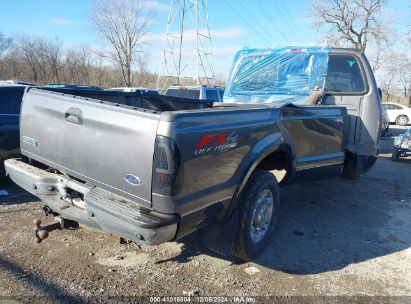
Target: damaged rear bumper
[[94, 207]]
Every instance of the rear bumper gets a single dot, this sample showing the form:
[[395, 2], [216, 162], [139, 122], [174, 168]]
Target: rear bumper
[[98, 209]]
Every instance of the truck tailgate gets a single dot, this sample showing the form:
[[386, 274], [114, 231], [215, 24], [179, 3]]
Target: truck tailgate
[[98, 142]]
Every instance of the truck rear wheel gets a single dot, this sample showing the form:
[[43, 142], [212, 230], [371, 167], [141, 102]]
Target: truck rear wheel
[[258, 214]]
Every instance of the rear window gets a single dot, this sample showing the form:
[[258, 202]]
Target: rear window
[[10, 100], [392, 107], [212, 95], [344, 75], [193, 94]]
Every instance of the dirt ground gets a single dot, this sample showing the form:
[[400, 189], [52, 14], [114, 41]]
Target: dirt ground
[[334, 238]]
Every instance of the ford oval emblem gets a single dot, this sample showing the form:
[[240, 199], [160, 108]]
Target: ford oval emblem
[[132, 179]]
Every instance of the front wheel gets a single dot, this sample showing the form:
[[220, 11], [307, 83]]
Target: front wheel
[[258, 214], [402, 120]]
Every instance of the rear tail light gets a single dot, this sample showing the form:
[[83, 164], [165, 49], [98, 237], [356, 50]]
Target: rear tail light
[[167, 173]]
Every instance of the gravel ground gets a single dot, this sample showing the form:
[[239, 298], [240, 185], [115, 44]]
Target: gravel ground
[[334, 238]]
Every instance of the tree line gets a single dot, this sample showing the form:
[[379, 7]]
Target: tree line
[[47, 61]]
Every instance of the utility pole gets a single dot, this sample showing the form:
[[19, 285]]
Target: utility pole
[[187, 56]]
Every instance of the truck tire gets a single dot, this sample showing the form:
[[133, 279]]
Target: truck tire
[[259, 209], [350, 169], [395, 155]]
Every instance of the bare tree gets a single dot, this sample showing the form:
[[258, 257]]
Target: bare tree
[[124, 25], [395, 76], [41, 56], [78, 65], [54, 56], [404, 74], [28, 48], [142, 68], [4, 44], [354, 22]]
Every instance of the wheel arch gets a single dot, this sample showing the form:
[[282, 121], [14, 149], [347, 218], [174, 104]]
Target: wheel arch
[[274, 156], [220, 236]]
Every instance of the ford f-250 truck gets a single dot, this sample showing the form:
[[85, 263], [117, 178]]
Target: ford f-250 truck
[[164, 168]]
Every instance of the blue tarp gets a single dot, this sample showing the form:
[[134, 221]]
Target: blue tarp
[[279, 76]]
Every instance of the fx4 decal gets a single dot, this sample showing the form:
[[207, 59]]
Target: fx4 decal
[[218, 142]]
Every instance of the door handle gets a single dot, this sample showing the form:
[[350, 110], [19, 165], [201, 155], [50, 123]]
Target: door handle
[[74, 115]]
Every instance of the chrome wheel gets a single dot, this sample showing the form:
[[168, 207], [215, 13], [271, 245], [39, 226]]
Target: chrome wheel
[[262, 215]]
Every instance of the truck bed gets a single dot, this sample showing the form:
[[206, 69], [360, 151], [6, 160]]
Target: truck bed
[[157, 103]]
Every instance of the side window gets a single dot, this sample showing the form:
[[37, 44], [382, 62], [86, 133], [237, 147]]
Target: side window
[[344, 75], [395, 107], [212, 95], [10, 100]]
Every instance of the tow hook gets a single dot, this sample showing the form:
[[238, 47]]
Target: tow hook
[[41, 232]]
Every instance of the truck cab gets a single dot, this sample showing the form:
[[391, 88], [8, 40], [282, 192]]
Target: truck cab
[[339, 77]]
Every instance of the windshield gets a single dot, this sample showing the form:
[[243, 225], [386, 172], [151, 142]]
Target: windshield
[[277, 75]]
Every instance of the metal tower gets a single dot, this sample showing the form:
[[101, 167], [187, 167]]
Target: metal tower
[[187, 55]]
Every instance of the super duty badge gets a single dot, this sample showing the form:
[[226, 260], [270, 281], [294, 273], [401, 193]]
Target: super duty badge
[[29, 141]]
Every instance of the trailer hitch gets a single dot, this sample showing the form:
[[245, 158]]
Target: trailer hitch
[[41, 232]]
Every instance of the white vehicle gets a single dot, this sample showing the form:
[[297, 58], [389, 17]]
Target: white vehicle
[[196, 92], [14, 82], [136, 89], [398, 113]]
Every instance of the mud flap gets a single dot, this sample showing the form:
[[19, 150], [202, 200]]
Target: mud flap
[[219, 238], [351, 168]]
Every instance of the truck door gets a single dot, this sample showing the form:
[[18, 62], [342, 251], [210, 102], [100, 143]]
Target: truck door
[[350, 83]]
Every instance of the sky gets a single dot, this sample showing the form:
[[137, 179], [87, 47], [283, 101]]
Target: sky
[[234, 24]]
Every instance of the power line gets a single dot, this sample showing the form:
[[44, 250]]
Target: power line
[[293, 27], [245, 20], [267, 15], [284, 13], [256, 20]]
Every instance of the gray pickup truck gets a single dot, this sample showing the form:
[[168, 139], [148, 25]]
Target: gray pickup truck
[[164, 168]]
